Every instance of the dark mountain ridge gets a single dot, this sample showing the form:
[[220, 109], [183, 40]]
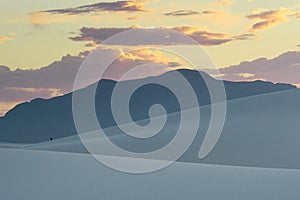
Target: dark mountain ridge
[[42, 119]]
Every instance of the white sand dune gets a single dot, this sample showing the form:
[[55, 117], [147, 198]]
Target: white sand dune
[[28, 174], [255, 158], [260, 131]]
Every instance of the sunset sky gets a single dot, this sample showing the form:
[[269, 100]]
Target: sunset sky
[[42, 42]]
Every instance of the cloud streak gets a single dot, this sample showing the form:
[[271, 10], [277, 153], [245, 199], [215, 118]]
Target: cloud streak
[[133, 18], [180, 13], [5, 38], [297, 15], [69, 14], [160, 36], [118, 6], [268, 19]]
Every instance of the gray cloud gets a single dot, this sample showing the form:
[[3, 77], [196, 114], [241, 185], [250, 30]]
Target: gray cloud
[[282, 69], [179, 13], [19, 85], [97, 35], [160, 36], [118, 6], [245, 36], [24, 85], [58, 78]]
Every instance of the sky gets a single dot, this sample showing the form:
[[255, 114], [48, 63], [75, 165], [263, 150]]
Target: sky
[[43, 43]]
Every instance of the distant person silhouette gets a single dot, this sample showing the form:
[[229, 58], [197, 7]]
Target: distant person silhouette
[[51, 139]]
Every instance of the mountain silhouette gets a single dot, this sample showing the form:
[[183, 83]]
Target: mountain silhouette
[[43, 119]]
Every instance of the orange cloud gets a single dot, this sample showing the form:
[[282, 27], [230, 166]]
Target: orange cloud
[[50, 92], [297, 85], [156, 56], [91, 44], [267, 19], [200, 34], [297, 15], [6, 106], [12, 33], [4, 38], [42, 18], [204, 36], [25, 93], [269, 14], [127, 61], [246, 75]]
